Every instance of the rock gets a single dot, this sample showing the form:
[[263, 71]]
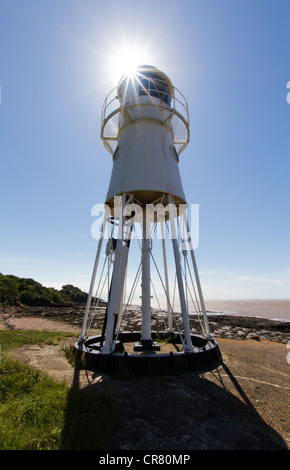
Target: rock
[[253, 336]]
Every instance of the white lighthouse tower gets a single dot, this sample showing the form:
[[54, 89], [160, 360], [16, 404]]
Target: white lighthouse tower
[[145, 126]]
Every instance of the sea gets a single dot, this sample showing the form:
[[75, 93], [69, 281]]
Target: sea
[[270, 309]]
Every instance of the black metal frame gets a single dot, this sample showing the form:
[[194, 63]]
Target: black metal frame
[[206, 356]]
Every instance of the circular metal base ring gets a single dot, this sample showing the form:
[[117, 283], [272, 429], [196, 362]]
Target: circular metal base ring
[[205, 356]]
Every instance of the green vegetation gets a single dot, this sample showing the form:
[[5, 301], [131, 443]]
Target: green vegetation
[[21, 291], [16, 338], [169, 338], [37, 413]]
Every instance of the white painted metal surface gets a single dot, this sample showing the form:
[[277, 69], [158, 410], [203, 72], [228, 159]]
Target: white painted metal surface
[[145, 163], [146, 291]]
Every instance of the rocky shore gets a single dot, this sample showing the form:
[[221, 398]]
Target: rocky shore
[[221, 326]]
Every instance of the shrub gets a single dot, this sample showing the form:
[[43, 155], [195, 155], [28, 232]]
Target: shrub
[[15, 290]]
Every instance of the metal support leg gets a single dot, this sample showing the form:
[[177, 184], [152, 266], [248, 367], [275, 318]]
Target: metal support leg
[[170, 325], [207, 330], [184, 311], [146, 302], [89, 299], [116, 286]]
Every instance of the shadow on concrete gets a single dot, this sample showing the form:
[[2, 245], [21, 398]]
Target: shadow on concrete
[[188, 412], [89, 415]]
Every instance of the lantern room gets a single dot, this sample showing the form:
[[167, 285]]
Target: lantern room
[[147, 94], [147, 85]]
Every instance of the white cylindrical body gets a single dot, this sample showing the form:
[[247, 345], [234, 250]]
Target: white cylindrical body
[[146, 163]]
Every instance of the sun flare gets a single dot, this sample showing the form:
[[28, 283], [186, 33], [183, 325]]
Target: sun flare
[[126, 60]]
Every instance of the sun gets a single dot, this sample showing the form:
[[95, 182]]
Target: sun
[[127, 62], [126, 59]]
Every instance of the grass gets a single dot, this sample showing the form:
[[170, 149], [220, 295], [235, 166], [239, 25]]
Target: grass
[[168, 338], [15, 338], [37, 413]]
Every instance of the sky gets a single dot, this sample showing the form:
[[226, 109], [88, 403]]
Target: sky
[[59, 59]]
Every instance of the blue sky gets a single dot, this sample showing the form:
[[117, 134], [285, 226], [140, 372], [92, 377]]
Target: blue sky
[[231, 60]]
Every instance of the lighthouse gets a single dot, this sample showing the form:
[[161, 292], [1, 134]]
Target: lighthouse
[[145, 128]]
